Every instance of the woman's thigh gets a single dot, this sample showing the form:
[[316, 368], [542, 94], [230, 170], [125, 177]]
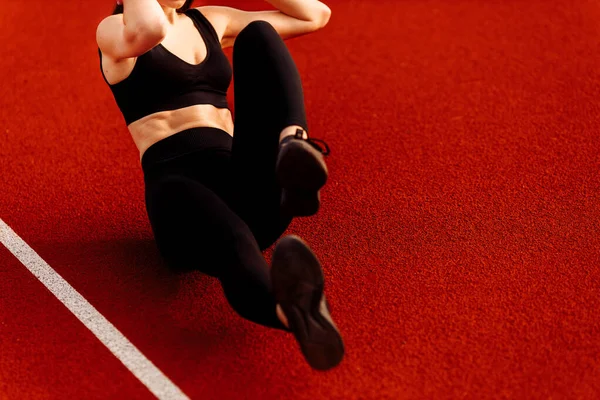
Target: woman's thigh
[[194, 227]]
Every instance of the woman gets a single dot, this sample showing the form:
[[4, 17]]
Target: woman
[[215, 200]]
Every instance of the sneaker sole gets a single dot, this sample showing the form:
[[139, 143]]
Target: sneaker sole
[[298, 285], [300, 203], [301, 172]]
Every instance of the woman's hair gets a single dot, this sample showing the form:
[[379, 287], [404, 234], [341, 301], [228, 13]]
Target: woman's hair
[[184, 8]]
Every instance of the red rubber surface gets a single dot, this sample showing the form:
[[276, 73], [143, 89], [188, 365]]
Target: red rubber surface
[[459, 229]]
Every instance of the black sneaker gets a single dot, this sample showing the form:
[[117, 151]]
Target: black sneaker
[[298, 285], [301, 172]]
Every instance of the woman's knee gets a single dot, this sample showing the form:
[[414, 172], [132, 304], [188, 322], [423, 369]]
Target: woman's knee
[[258, 28], [256, 34]]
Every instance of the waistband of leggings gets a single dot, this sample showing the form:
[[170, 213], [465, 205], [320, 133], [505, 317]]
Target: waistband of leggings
[[185, 142]]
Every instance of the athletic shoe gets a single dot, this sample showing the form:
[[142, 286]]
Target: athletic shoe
[[298, 285], [301, 172]]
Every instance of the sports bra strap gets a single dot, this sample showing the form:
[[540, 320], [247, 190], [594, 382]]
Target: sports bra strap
[[204, 24]]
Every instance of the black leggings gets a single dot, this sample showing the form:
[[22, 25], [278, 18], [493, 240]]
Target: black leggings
[[213, 201]]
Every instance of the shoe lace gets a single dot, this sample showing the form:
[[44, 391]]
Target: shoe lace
[[314, 142]]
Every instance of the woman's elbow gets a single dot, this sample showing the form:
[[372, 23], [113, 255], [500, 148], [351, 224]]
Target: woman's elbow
[[323, 16]]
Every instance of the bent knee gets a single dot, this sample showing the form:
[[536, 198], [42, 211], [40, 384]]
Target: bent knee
[[256, 32], [259, 27]]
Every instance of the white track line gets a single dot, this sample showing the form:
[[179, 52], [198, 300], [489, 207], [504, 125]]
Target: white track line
[[118, 344]]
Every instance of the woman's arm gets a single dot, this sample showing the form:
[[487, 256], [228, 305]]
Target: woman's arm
[[142, 26], [294, 18]]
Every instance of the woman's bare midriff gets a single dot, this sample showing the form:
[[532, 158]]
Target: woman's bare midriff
[[155, 127]]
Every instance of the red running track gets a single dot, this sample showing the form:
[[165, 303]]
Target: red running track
[[460, 230]]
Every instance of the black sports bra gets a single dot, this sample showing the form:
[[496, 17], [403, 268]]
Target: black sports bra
[[161, 81]]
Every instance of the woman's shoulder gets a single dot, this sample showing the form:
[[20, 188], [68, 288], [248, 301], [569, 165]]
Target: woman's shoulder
[[216, 16]]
